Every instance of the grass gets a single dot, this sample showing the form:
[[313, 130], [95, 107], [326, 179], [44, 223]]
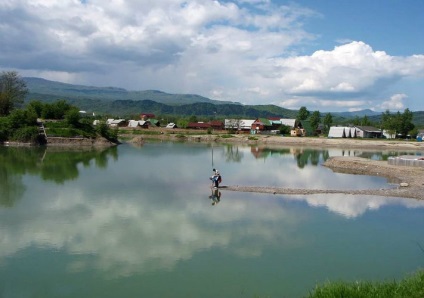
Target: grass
[[226, 136], [409, 287]]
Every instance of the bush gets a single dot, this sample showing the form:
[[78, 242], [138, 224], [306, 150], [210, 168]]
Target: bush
[[109, 134], [25, 134]]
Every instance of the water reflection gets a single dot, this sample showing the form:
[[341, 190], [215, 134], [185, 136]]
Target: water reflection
[[350, 206], [51, 164], [215, 196], [145, 213]]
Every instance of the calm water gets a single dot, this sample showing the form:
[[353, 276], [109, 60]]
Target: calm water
[[138, 222]]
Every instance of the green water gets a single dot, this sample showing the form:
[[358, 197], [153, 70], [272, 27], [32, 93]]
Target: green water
[[138, 222]]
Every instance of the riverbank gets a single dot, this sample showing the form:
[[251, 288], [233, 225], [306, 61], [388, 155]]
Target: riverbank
[[274, 140]]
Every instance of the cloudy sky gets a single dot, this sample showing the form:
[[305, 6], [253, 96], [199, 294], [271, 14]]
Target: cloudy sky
[[333, 55]]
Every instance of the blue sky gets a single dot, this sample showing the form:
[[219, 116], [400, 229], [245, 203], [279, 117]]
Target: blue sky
[[326, 55]]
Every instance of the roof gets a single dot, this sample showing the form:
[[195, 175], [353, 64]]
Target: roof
[[368, 128], [133, 123], [265, 121], [114, 121], [198, 125], [216, 123], [288, 122]]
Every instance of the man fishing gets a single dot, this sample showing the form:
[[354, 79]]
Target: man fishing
[[216, 178]]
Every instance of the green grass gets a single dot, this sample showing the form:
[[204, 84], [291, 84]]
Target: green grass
[[226, 136], [409, 287]]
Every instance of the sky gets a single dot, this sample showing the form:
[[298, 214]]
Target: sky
[[328, 55]]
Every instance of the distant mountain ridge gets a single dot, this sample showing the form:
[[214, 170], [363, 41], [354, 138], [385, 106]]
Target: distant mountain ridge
[[121, 102], [47, 87]]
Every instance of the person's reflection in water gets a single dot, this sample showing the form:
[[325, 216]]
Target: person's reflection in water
[[215, 196]]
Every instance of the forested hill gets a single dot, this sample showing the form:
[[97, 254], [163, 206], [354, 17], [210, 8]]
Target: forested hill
[[38, 86], [120, 102]]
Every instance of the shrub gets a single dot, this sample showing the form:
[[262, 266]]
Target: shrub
[[25, 134]]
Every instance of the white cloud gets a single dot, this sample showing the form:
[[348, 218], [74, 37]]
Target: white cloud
[[219, 49], [395, 103]]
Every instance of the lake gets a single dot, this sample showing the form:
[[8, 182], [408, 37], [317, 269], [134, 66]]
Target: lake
[[140, 222]]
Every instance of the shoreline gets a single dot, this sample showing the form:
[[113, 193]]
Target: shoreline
[[277, 140]]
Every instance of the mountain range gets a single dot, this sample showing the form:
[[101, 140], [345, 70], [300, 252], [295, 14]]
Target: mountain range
[[119, 102]]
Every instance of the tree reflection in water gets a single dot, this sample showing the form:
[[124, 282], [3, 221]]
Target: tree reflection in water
[[52, 164]]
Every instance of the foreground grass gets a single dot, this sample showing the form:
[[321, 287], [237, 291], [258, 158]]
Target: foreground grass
[[410, 287]]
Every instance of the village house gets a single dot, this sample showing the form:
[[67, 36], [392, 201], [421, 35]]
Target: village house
[[198, 125], [146, 116], [116, 122], [239, 125], [138, 124]]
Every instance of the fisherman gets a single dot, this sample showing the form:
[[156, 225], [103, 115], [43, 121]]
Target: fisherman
[[216, 178]]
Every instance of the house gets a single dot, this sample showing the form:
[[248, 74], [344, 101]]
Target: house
[[145, 116], [217, 124], [198, 125], [154, 122], [275, 122], [257, 126], [116, 122], [368, 132], [241, 125], [138, 123]]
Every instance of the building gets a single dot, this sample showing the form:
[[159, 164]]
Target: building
[[368, 132]]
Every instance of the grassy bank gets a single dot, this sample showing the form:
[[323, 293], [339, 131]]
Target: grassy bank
[[409, 287]]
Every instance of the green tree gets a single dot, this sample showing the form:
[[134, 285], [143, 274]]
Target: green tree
[[72, 117], [315, 119], [406, 124], [56, 110], [37, 106], [303, 113], [365, 121], [328, 121], [399, 123], [388, 122], [12, 92], [285, 129]]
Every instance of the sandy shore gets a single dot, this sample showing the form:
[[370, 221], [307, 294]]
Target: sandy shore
[[413, 177]]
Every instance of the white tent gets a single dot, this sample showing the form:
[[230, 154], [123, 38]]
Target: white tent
[[337, 132], [133, 123]]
